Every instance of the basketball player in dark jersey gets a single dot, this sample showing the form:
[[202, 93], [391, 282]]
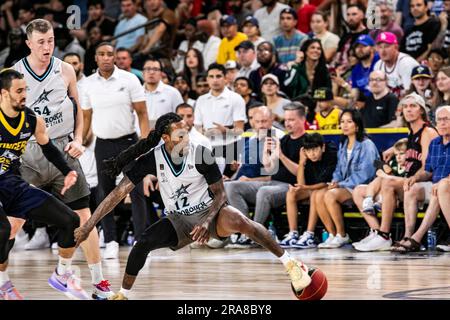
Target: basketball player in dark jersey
[[21, 201], [192, 189]]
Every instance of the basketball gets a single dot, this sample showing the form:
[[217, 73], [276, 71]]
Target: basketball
[[317, 288]]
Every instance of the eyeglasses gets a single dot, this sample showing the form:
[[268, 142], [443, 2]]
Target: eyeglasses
[[151, 69], [444, 119], [376, 79]]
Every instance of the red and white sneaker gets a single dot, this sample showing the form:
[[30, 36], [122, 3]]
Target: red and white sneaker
[[101, 290]]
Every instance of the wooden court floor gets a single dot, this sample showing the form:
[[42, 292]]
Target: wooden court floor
[[219, 274]]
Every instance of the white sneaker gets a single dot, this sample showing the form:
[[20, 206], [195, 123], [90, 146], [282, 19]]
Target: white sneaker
[[443, 247], [215, 243], [101, 239], [196, 245], [339, 241], [326, 243], [377, 243], [21, 241], [372, 234], [111, 250], [40, 240], [367, 205], [55, 246]]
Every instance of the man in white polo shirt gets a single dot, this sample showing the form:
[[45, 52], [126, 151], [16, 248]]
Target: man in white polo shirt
[[220, 114], [110, 98], [161, 98]]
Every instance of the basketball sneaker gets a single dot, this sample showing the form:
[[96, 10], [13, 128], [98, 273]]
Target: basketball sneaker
[[326, 243], [101, 290], [68, 284], [40, 240], [289, 239], [9, 292], [298, 272], [306, 241], [118, 296], [339, 241], [376, 243], [111, 251], [372, 233]]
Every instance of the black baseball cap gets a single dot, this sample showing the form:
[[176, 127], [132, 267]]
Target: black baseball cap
[[323, 94], [247, 44], [290, 11]]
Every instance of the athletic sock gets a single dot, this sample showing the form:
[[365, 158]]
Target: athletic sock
[[385, 235], [3, 277], [96, 272], [125, 292], [285, 258], [64, 265]]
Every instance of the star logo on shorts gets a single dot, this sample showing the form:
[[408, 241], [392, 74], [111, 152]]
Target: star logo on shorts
[[181, 191]]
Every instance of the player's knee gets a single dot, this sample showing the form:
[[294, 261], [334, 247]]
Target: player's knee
[[72, 221], [244, 225], [5, 231]]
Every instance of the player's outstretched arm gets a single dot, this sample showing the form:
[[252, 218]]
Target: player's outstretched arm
[[110, 202]]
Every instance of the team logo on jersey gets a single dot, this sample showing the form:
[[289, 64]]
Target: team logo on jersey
[[42, 97], [180, 192], [24, 135], [56, 71], [122, 89]]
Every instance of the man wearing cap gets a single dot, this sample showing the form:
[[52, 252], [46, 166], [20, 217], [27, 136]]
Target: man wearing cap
[[387, 20], [290, 40], [231, 39], [422, 84], [246, 57], [418, 39], [367, 57], [396, 65], [231, 71], [269, 18], [381, 105], [250, 27], [328, 114]]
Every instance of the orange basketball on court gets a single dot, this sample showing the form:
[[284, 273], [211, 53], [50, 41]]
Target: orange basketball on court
[[317, 288]]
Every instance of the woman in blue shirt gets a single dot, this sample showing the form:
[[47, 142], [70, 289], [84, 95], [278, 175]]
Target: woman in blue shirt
[[356, 156]]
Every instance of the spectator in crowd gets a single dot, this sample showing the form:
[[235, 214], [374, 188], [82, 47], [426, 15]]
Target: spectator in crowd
[[418, 39], [65, 43], [310, 106], [17, 47], [26, 13], [124, 61], [403, 15], [319, 30], [75, 60], [436, 169], [269, 18], [250, 27], [387, 22], [193, 66], [270, 92], [328, 114], [190, 33], [316, 166], [437, 58], [289, 41], [239, 11], [180, 83], [381, 105], [4, 49], [280, 161], [419, 137], [443, 86], [186, 111], [367, 57], [395, 64], [443, 38], [231, 38], [160, 98], [422, 84], [246, 57], [305, 10], [266, 56], [130, 18], [202, 85], [243, 87], [355, 23], [211, 42], [95, 38], [354, 167], [231, 71], [309, 63]]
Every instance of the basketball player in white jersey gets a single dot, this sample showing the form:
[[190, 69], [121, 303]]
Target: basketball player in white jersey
[[192, 189], [52, 85]]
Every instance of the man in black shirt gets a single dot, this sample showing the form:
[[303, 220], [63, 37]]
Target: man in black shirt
[[381, 105], [418, 39], [316, 166]]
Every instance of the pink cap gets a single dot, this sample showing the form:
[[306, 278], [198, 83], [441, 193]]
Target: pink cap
[[387, 37]]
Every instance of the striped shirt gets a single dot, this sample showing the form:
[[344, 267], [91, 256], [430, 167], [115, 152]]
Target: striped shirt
[[438, 159], [287, 48]]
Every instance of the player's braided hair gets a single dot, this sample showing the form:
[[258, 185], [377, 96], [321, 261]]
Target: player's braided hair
[[114, 166]]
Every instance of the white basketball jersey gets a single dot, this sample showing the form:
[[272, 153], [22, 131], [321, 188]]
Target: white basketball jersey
[[47, 96], [186, 191]]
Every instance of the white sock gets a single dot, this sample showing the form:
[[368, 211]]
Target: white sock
[[125, 292], [64, 265], [3, 277], [285, 258], [96, 272]]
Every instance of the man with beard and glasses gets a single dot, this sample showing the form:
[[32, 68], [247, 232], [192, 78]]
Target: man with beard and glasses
[[417, 41], [356, 26]]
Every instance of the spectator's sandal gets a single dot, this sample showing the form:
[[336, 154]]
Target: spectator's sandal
[[398, 243], [413, 246]]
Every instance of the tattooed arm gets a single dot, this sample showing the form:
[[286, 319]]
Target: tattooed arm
[[105, 207]]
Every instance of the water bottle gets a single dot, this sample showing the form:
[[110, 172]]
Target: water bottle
[[273, 231], [130, 238], [431, 239], [324, 235]]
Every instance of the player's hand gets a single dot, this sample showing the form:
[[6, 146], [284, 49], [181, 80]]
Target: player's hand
[[220, 127], [81, 234], [74, 149], [333, 185], [244, 178], [149, 185], [69, 181], [200, 233], [409, 182]]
